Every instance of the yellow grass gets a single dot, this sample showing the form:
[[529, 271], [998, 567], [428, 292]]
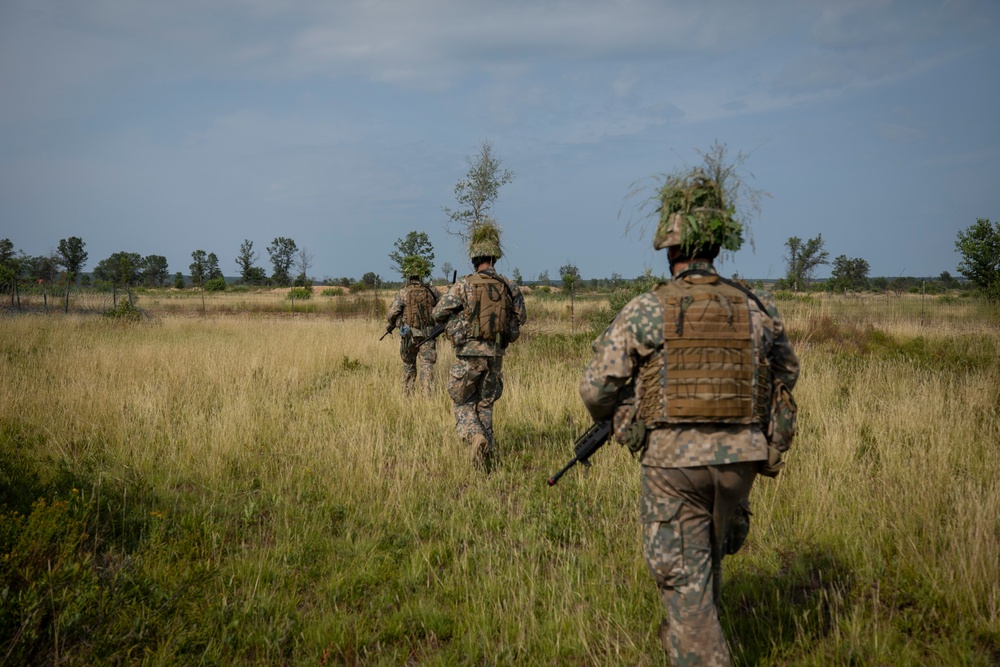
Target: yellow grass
[[290, 469]]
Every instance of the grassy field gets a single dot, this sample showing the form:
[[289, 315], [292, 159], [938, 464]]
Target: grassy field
[[245, 485]]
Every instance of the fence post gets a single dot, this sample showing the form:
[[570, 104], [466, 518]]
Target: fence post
[[923, 285]]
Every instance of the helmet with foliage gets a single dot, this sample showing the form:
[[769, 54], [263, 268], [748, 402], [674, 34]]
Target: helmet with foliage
[[694, 215], [416, 266], [484, 241]]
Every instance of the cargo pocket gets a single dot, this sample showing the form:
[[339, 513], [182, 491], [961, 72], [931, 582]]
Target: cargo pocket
[[662, 541], [458, 384]]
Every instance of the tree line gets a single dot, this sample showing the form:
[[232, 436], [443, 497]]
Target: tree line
[[475, 194]]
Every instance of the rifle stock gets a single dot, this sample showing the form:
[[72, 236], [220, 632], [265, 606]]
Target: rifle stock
[[585, 446]]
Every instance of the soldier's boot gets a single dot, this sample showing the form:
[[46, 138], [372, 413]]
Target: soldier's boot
[[480, 452]]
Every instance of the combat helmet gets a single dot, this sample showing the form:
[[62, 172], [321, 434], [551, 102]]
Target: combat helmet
[[484, 240], [695, 216]]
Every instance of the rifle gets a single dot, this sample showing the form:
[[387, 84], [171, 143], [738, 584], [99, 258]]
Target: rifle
[[585, 446], [387, 332], [438, 329]]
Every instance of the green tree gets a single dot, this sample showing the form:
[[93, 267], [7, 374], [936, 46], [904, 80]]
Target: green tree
[[42, 267], [802, 260], [543, 278], [849, 274], [246, 259], [120, 269], [979, 246], [947, 280], [212, 270], [72, 256], [154, 270], [516, 275], [6, 252], [371, 279], [179, 280], [256, 276], [282, 253], [477, 192], [199, 268], [415, 244], [10, 268], [570, 276]]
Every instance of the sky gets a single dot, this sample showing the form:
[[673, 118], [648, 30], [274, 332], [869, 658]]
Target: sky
[[163, 127]]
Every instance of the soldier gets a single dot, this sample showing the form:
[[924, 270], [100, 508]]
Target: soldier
[[411, 312], [485, 312], [696, 375]]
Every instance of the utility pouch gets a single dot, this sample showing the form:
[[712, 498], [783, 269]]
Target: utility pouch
[[455, 331]]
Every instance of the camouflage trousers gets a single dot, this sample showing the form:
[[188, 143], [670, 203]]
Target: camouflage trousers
[[685, 515], [475, 385], [423, 358]]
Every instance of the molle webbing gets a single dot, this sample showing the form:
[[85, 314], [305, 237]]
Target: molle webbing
[[706, 370], [417, 305], [489, 309]]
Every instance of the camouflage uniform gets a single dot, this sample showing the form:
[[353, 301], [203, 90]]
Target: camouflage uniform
[[694, 476], [476, 381], [411, 352]]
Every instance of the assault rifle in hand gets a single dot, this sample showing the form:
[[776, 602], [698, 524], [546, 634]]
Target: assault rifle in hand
[[585, 446], [387, 332], [434, 332], [438, 329]]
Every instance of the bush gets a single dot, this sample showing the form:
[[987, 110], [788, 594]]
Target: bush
[[215, 285], [332, 291], [357, 287], [124, 311], [300, 293]]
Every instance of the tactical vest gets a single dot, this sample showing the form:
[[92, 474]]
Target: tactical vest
[[708, 370], [418, 302], [489, 311]]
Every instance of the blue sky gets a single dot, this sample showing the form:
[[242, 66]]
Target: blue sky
[[164, 127]]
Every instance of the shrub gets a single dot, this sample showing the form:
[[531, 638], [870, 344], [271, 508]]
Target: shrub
[[332, 291], [215, 285], [124, 311], [300, 293]]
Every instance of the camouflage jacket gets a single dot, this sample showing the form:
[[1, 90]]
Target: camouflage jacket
[[629, 342], [395, 315], [457, 299]]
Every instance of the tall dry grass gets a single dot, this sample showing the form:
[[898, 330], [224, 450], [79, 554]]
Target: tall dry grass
[[259, 489]]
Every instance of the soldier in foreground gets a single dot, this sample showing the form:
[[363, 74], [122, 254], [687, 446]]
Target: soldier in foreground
[[485, 312], [696, 376], [411, 312]]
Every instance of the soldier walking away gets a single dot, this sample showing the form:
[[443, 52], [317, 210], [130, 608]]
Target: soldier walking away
[[485, 312], [696, 376], [410, 311]]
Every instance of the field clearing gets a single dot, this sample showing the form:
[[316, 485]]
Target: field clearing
[[250, 486]]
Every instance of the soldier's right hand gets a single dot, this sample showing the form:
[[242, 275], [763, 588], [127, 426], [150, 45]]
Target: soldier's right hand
[[773, 465]]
